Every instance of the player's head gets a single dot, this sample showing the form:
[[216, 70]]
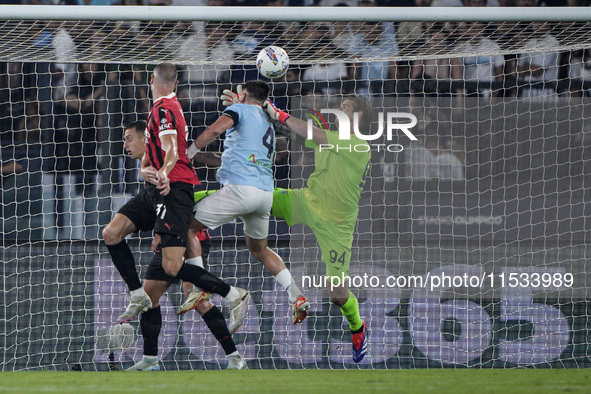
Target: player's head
[[164, 78], [134, 139], [355, 103], [256, 91]]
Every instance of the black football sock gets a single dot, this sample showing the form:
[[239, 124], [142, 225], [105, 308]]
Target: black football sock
[[203, 279], [125, 264], [150, 325], [218, 327]]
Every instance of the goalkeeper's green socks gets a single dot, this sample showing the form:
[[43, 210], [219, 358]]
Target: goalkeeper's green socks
[[351, 312]]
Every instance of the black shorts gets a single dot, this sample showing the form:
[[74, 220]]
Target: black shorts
[[173, 214], [140, 209], [169, 216], [156, 271]]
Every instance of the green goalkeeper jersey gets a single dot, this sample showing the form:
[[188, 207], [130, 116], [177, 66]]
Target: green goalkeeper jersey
[[335, 186]]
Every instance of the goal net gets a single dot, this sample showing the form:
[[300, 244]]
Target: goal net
[[471, 242]]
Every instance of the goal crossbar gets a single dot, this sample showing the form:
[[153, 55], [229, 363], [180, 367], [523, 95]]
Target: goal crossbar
[[290, 14]]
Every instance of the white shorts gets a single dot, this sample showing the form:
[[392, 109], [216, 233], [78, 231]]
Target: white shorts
[[249, 203]]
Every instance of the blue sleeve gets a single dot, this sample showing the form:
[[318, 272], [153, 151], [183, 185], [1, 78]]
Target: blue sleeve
[[235, 112]]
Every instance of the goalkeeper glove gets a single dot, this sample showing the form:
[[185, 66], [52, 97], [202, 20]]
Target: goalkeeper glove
[[228, 97], [274, 112]]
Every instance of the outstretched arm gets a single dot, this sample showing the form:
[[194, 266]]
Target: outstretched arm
[[287, 132], [210, 134], [209, 158], [298, 126]]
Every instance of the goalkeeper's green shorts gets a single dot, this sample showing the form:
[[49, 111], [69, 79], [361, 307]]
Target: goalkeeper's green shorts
[[335, 240], [200, 195]]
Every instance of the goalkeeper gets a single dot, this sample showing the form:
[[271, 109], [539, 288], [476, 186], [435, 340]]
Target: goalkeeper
[[329, 205]]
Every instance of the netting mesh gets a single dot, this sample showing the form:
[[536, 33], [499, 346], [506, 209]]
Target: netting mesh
[[496, 188], [151, 42]]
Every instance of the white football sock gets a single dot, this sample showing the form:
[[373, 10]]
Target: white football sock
[[285, 279], [198, 261], [233, 295], [138, 293], [233, 354]]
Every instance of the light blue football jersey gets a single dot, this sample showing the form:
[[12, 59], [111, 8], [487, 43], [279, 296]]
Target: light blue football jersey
[[249, 148]]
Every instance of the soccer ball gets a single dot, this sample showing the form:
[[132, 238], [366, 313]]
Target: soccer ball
[[272, 62]]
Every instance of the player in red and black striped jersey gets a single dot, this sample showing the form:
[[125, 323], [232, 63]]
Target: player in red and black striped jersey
[[156, 281], [166, 126], [165, 204]]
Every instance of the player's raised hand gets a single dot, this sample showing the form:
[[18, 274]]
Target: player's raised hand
[[274, 112], [228, 97], [150, 174], [163, 182]]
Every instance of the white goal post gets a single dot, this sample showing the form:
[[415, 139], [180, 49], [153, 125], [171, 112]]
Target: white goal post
[[290, 14], [472, 244]]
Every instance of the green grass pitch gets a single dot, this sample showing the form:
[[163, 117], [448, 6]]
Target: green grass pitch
[[321, 381]]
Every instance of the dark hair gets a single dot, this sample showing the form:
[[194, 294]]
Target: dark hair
[[139, 126], [257, 90], [361, 104], [167, 73]]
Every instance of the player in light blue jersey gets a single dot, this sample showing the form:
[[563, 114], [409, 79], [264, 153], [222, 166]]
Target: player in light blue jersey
[[249, 148], [246, 176]]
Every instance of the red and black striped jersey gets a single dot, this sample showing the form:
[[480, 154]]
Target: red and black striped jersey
[[166, 117]]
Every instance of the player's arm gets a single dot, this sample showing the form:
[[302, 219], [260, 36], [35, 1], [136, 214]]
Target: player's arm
[[169, 145], [223, 123], [210, 158], [149, 173], [298, 126], [287, 132]]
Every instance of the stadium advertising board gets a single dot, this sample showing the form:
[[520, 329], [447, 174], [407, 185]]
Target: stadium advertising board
[[421, 323], [459, 216]]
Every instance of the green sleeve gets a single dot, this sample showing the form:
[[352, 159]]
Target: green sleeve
[[346, 146], [332, 137], [311, 144]]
